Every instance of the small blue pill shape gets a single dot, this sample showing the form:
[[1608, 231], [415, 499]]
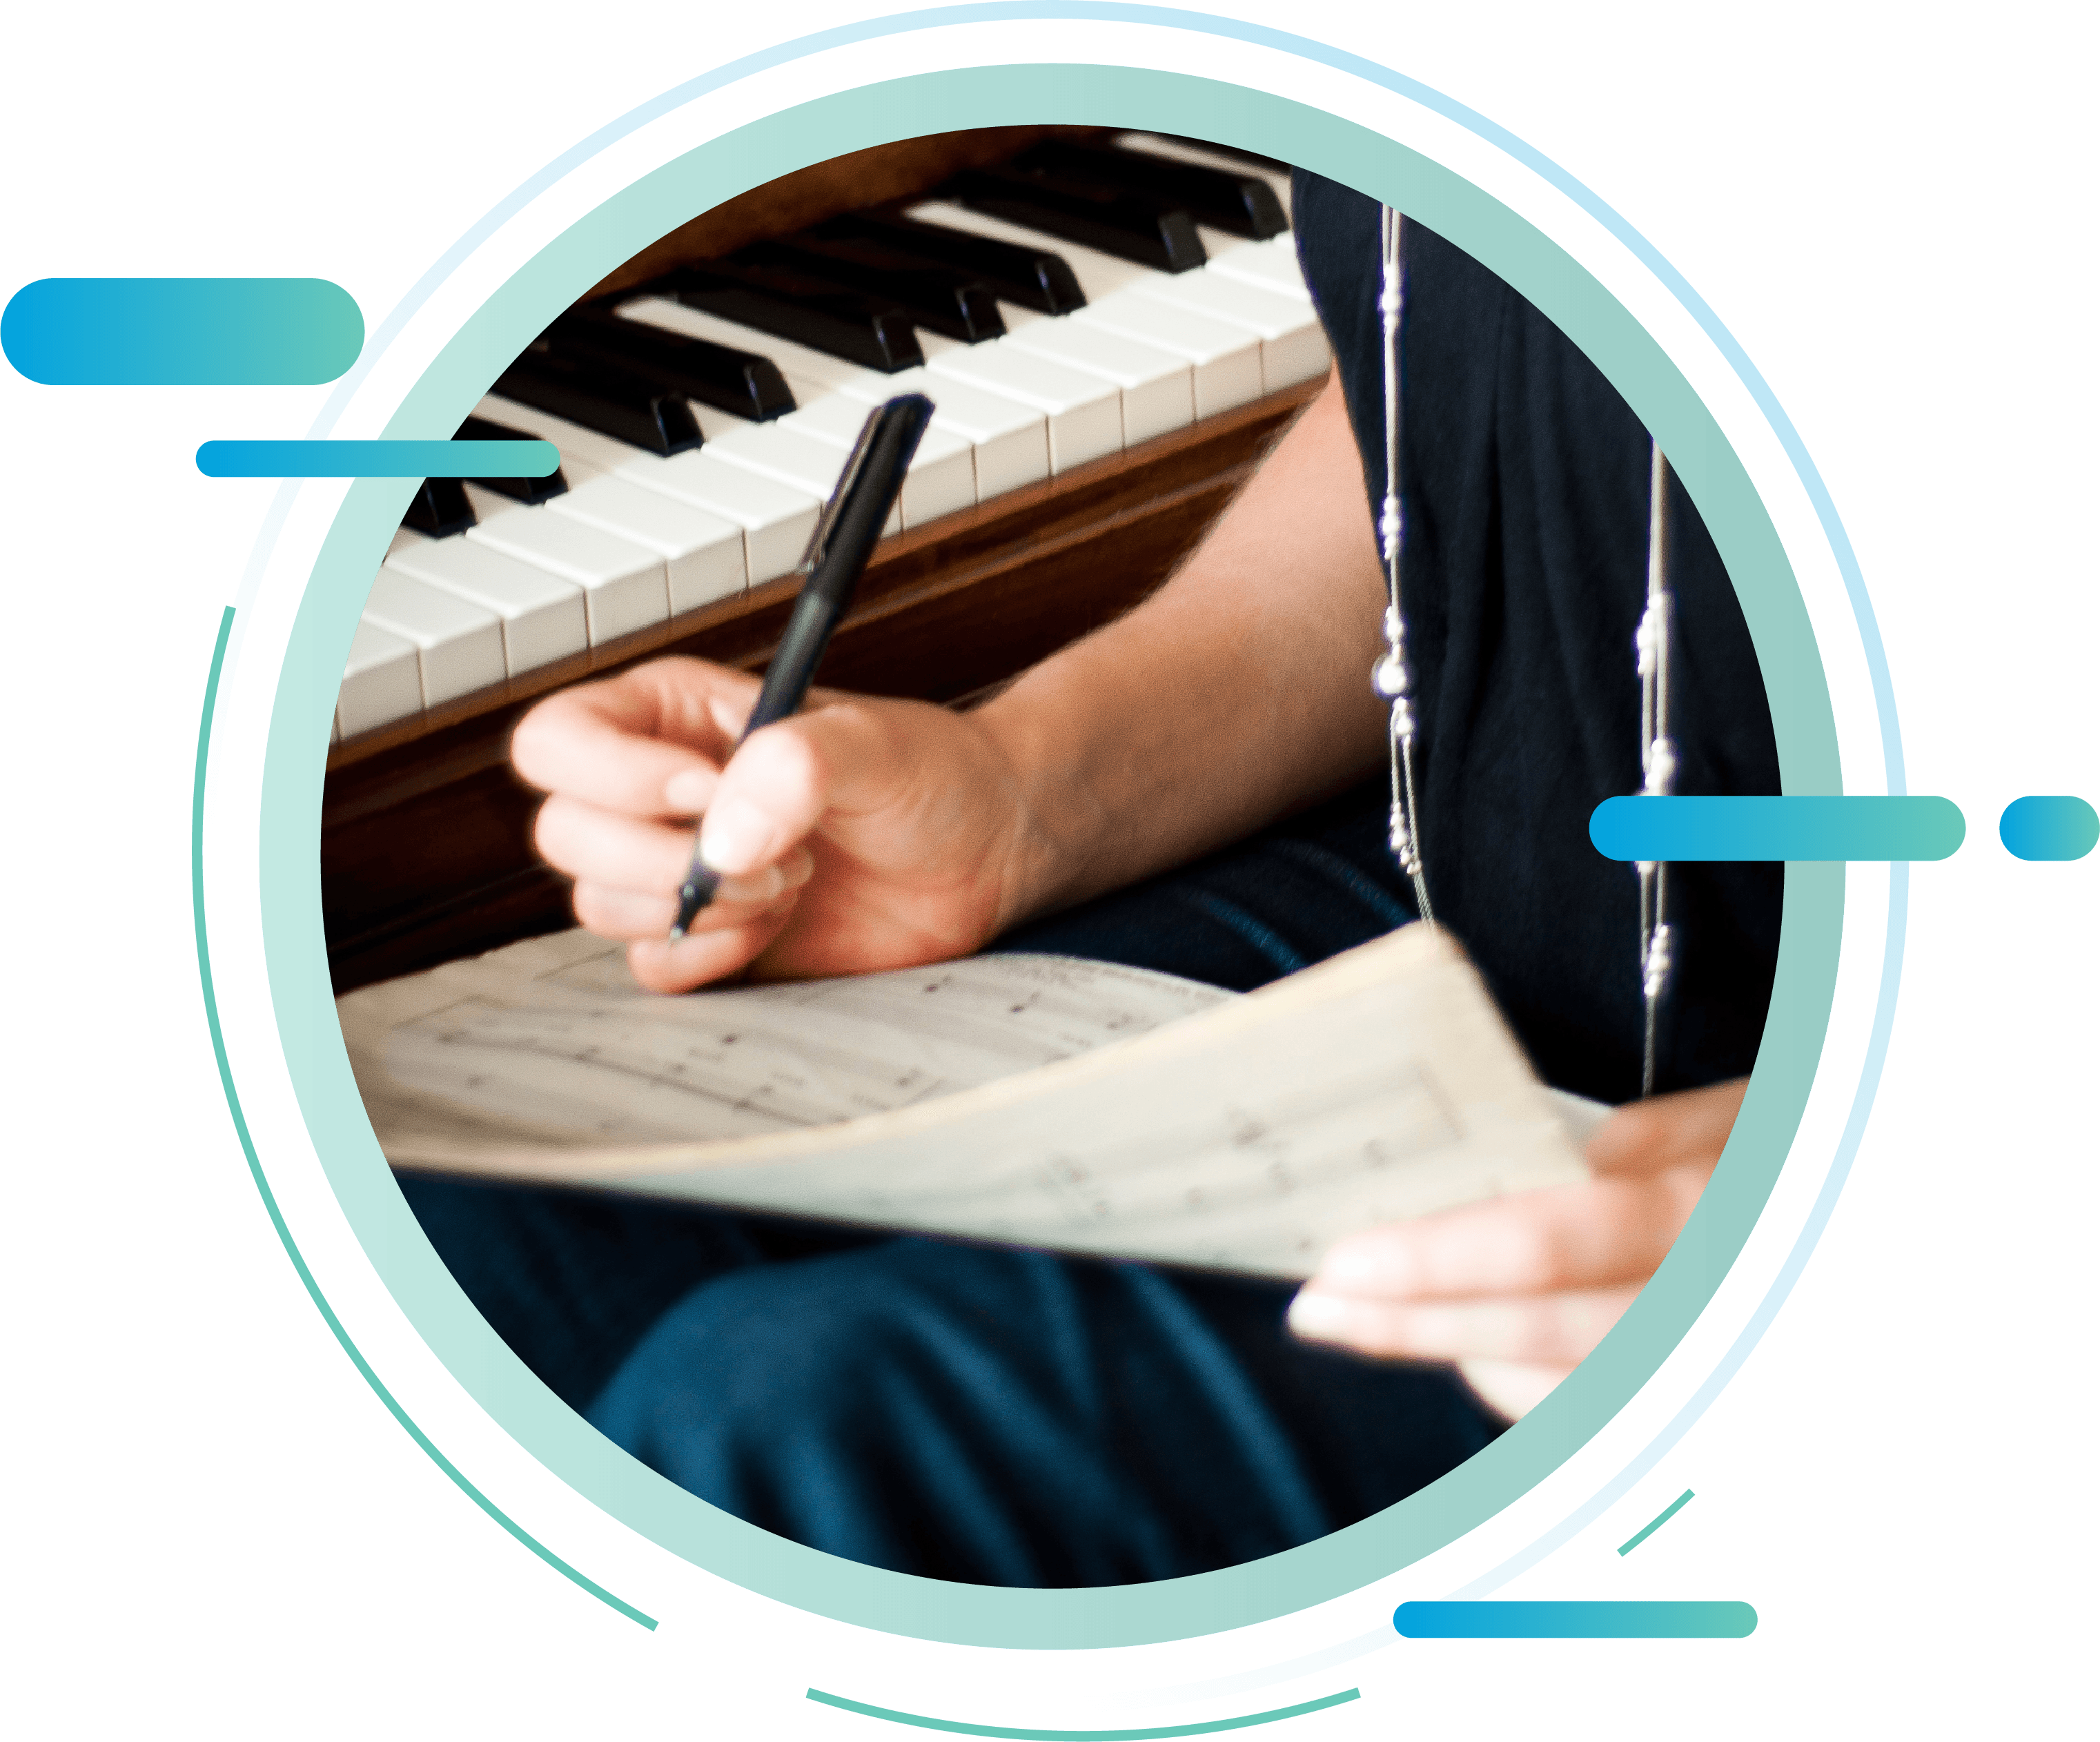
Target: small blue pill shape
[[2048, 828]]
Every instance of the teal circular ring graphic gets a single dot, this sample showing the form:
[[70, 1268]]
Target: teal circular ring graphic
[[296, 957]]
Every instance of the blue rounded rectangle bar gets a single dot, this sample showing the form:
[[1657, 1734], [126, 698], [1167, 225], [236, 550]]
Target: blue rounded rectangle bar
[[182, 331], [1575, 1620], [377, 459], [1686, 829]]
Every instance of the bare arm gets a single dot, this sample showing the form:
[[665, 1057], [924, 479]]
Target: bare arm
[[1237, 692], [868, 833]]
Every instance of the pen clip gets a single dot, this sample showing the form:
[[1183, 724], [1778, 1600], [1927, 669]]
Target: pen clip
[[828, 519]]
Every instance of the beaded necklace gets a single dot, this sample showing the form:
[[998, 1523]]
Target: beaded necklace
[[1392, 679]]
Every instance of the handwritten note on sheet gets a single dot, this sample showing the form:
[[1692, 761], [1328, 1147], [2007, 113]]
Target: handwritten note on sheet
[[1032, 1099]]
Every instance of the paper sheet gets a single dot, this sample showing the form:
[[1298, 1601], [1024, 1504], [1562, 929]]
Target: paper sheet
[[1032, 1099]]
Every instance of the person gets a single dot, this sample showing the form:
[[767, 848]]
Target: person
[[1198, 787]]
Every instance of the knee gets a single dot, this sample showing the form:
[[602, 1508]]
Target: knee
[[789, 1395]]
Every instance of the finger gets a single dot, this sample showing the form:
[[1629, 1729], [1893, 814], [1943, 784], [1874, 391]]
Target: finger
[[784, 778], [1553, 1329], [632, 914], [626, 743], [1593, 1232], [1646, 1136], [659, 965], [594, 845], [620, 852]]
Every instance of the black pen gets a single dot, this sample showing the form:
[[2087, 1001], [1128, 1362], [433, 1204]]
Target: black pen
[[839, 549]]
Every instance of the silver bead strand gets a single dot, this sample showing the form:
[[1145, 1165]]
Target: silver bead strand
[[1390, 677], [1658, 755]]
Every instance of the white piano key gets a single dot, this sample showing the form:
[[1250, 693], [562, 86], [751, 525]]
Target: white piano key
[[382, 681], [1182, 153], [543, 616], [697, 573], [1011, 440], [1225, 359], [1259, 264], [942, 476], [1293, 347], [624, 584], [777, 519], [1084, 410], [702, 562], [459, 646], [1158, 388], [791, 457], [702, 553], [584, 453]]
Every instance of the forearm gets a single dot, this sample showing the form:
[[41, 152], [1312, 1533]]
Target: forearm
[[1236, 693]]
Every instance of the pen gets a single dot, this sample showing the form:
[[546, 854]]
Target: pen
[[839, 550]]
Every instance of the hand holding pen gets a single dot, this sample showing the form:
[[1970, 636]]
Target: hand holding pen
[[858, 834]]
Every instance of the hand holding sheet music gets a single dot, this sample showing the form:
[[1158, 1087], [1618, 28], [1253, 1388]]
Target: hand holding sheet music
[[1517, 1293]]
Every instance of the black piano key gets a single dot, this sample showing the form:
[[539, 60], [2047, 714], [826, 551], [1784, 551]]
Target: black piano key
[[942, 298], [531, 491], [740, 382], [1032, 277], [439, 508], [602, 395], [800, 306], [1242, 204], [1130, 224]]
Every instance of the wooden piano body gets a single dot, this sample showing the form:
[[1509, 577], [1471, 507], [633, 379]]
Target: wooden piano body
[[425, 852]]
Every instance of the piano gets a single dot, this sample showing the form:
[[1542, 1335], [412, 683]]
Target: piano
[[1112, 328]]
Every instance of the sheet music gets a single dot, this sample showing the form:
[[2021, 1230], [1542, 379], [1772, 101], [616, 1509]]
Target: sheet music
[[1037, 1100], [620, 1065]]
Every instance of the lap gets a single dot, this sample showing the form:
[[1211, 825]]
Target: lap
[[1005, 1418], [973, 1413]]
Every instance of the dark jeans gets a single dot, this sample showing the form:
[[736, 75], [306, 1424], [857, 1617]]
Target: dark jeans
[[973, 1413]]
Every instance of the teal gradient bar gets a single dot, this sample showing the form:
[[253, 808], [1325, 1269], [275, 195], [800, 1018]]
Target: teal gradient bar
[[182, 331], [2045, 827], [377, 459], [1683, 829], [1575, 1620]]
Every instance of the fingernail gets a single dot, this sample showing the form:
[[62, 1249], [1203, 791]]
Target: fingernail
[[796, 869], [689, 790], [1363, 1269], [733, 836], [1318, 1318], [753, 886]]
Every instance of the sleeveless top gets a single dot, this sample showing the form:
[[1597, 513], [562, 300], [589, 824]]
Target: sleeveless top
[[1525, 479]]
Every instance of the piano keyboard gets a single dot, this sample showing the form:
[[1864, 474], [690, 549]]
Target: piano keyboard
[[674, 504]]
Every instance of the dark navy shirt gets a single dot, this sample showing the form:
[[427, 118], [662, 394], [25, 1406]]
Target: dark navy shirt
[[1525, 483]]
